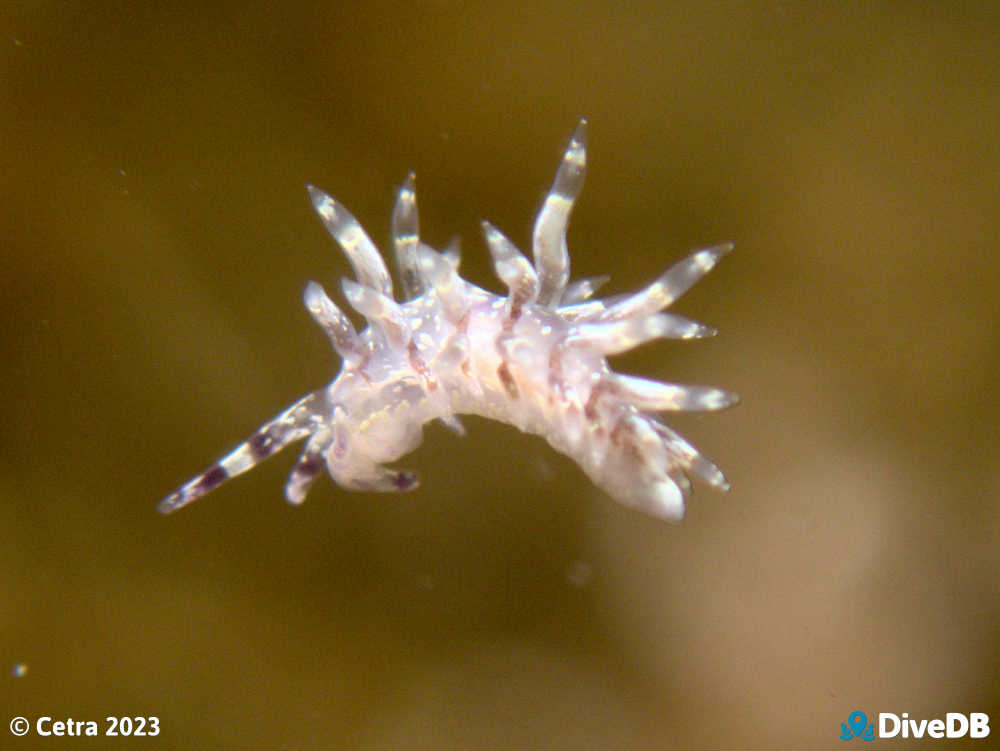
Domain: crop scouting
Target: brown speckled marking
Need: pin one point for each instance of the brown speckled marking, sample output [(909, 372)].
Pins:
[(555, 370), (507, 379), (420, 367), (590, 408), (517, 302)]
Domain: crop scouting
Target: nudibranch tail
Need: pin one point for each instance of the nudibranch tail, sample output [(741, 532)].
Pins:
[(534, 358)]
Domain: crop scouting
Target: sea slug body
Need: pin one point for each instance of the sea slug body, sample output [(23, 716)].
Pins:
[(534, 358)]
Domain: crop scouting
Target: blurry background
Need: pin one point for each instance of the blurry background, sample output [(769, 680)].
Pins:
[(156, 239)]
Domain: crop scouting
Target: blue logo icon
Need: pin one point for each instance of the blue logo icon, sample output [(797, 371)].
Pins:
[(859, 727)]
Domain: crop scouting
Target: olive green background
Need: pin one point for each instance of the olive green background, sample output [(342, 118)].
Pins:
[(156, 239)]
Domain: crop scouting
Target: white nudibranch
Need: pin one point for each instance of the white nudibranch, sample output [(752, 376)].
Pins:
[(534, 359)]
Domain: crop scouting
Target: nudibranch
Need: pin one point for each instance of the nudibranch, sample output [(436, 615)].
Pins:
[(535, 358)]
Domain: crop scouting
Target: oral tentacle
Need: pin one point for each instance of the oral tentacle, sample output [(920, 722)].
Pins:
[(308, 467), (295, 423)]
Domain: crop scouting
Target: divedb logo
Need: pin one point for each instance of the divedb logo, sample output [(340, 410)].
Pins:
[(954, 725)]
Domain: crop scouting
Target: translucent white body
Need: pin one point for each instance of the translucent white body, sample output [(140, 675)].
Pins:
[(534, 359)]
